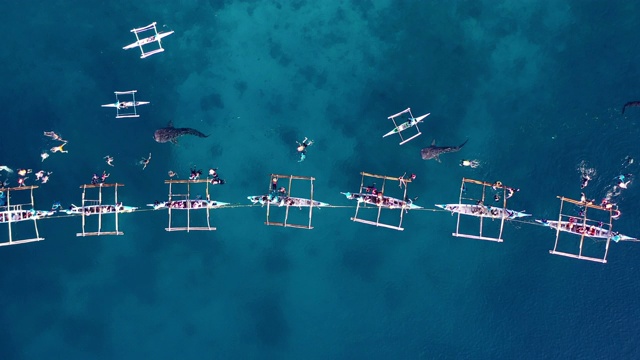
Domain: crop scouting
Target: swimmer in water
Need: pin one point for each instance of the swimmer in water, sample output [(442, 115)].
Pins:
[(145, 161), (6, 168), (302, 148), (470, 163), (54, 136), (44, 155), (59, 148), (109, 160), (172, 174), (584, 181), (622, 184)]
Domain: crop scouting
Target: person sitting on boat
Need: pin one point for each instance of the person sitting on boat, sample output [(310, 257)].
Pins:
[(470, 163), (371, 189), (497, 185), (403, 181), (584, 181), (121, 104)]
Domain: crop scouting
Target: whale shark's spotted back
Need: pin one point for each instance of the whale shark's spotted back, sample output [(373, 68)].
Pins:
[(170, 134)]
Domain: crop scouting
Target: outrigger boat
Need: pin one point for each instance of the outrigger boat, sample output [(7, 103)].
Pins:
[(382, 201), (578, 228), (413, 121), (126, 109), (369, 195), (483, 211), (476, 198), (98, 209), (285, 201), (22, 215), (188, 204), (148, 40)]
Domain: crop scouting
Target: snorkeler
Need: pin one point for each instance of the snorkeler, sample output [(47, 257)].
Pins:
[(470, 163), (145, 161), (44, 155), (109, 160), (54, 136), (584, 181), (59, 148), (302, 148), (621, 181)]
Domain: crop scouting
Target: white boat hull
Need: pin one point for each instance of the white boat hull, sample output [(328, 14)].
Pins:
[(285, 201), (591, 231), (385, 201), (482, 211)]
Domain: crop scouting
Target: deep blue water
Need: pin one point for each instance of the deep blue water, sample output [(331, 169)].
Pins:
[(536, 87)]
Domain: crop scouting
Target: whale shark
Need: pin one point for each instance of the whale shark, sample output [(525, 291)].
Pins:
[(433, 151), (170, 133)]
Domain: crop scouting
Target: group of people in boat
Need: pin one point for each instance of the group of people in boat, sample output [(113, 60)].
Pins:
[(6, 216), (96, 209), (575, 227), (184, 204)]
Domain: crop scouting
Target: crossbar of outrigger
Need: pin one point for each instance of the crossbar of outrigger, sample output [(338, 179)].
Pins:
[(98, 204), (285, 222), (188, 203), (480, 235), (377, 223), (585, 205), (9, 208)]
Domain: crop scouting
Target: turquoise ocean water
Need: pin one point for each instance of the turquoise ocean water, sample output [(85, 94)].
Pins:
[(536, 86)]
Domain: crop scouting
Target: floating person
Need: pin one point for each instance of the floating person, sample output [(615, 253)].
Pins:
[(59, 148), (109, 160), (56, 206), (302, 148), (172, 174), (621, 181), (433, 151), (403, 181), (630, 104), (145, 161), (584, 181), (44, 155), (45, 178), (470, 163), (195, 174), (171, 134), (54, 136), (23, 172), (628, 160)]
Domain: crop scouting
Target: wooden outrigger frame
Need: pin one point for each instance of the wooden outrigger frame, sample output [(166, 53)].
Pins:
[(125, 112), (407, 110), (286, 222), (19, 207), (584, 223), (381, 191), (484, 184), (187, 196), (98, 202)]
